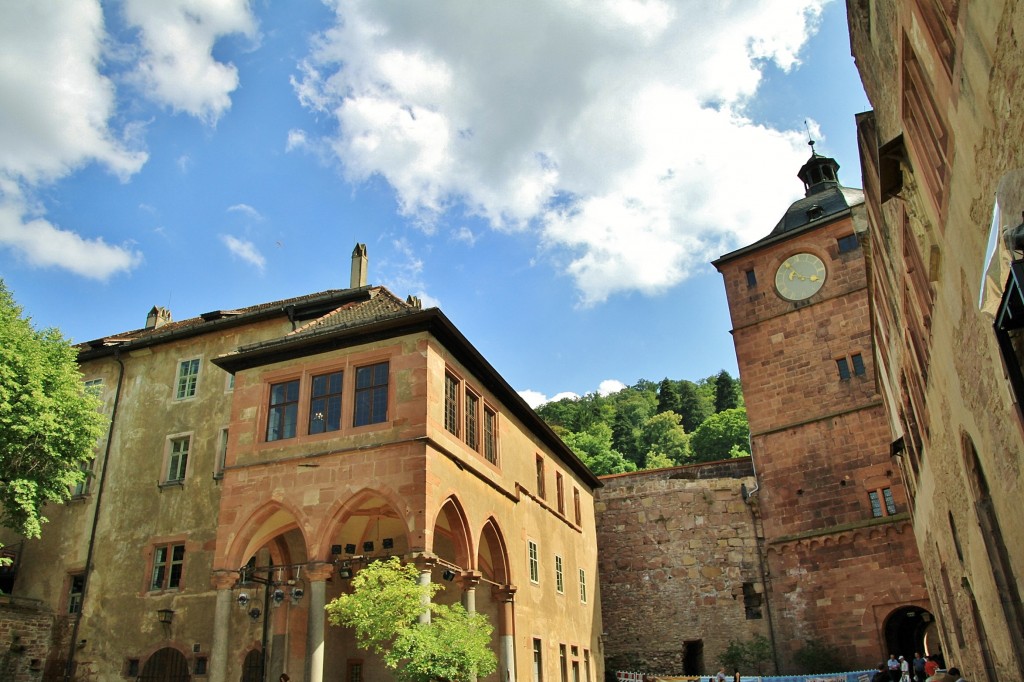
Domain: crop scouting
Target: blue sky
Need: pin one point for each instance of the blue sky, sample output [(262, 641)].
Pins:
[(556, 176)]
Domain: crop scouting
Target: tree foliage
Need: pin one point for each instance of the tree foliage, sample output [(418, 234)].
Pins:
[(817, 657), (384, 609), (650, 425), (721, 436), (49, 424), (751, 656)]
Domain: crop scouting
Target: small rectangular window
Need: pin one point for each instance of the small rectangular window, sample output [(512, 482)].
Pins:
[(876, 503), (843, 365), (538, 662), (200, 666), (752, 601), (451, 403), (177, 462), (541, 493), (560, 492), (371, 394), (472, 431), (559, 576), (534, 561), (168, 561), (563, 666), (576, 506), (355, 671), (131, 667), (222, 454), (188, 377), (283, 414), (76, 587), (890, 503), (583, 586), (490, 435), (751, 279), (82, 487), (94, 387), (586, 665), (325, 403), (575, 669), (848, 243), (858, 364)]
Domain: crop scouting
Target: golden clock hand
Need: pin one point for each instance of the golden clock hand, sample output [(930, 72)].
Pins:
[(792, 274)]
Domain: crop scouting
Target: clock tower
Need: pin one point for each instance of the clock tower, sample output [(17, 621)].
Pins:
[(842, 568)]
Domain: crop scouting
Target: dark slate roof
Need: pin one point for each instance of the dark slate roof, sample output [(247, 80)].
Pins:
[(818, 207)]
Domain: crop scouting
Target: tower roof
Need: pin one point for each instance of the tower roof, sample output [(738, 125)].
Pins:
[(824, 196)]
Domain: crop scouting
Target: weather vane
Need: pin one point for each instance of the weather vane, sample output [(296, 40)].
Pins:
[(809, 140)]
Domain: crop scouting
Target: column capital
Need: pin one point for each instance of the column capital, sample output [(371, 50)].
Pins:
[(504, 593), (223, 578), (319, 570), (469, 579), (425, 561)]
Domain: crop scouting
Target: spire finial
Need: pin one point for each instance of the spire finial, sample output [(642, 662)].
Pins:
[(809, 140)]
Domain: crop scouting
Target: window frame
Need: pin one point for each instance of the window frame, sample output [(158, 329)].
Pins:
[(222, 453), (563, 662), (538, 660), (577, 506), (452, 384), (560, 492), (328, 398), (278, 412), (533, 556), (848, 243), (541, 488), (559, 575), (186, 386), (882, 502), (74, 602), (169, 579), (176, 461), (471, 418), (490, 434), (367, 411), (583, 586)]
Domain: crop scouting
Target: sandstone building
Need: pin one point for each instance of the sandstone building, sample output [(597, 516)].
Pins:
[(942, 155), (257, 458), (842, 566)]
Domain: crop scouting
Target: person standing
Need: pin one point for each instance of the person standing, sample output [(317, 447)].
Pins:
[(894, 668), (720, 677), (919, 667), (904, 670)]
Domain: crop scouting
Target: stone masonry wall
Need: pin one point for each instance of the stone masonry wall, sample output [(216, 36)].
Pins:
[(25, 641), (677, 546)]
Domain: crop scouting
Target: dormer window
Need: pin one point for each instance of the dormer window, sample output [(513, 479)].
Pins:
[(815, 212)]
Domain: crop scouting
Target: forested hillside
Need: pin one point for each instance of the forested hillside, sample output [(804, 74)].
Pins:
[(653, 425)]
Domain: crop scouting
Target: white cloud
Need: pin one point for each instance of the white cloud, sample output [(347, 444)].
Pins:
[(464, 234), (244, 249), (614, 128), (176, 66), (42, 244), (296, 140), (55, 105), (609, 386), (533, 398), (246, 210)]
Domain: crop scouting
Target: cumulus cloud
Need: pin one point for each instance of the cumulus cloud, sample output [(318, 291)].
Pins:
[(609, 386), (176, 66), (57, 105), (55, 118), (244, 249), (535, 398), (616, 129), (42, 244)]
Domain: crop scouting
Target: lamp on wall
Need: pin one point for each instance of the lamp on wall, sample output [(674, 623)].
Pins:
[(350, 548), (368, 546), (388, 543), (345, 572), (448, 575), (165, 616)]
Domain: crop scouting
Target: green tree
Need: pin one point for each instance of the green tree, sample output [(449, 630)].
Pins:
[(694, 405), (49, 424), (751, 656), (726, 392), (662, 435), (632, 409), (721, 436), (594, 447), (384, 609), (668, 396)]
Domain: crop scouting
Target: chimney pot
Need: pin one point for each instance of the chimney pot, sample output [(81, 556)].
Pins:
[(157, 317), (358, 267)]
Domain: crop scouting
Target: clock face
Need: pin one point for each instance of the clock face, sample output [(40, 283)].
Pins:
[(800, 276)]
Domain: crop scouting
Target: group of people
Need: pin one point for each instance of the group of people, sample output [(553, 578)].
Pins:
[(920, 669)]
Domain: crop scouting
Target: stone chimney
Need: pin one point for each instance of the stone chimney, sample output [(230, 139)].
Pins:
[(157, 317), (358, 267)]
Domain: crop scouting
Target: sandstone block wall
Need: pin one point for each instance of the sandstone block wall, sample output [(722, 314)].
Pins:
[(677, 546), (26, 634)]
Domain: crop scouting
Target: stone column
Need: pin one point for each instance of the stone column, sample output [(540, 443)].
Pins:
[(222, 581), (468, 581), (317, 574), (506, 632)]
